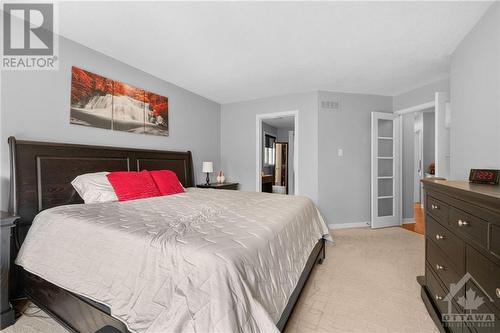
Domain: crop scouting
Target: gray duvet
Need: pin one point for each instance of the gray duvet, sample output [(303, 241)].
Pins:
[(200, 261)]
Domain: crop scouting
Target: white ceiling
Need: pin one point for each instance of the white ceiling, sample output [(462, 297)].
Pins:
[(281, 122), (233, 51)]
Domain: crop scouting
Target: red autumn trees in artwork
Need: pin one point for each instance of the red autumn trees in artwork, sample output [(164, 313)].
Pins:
[(101, 102), (156, 112), (85, 84)]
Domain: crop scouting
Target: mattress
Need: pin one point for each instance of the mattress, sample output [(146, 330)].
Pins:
[(200, 261)]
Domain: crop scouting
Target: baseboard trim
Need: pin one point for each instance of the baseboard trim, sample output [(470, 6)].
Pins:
[(410, 220), (349, 225)]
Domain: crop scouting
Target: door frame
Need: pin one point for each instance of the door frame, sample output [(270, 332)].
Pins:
[(439, 105), (418, 156), (258, 148)]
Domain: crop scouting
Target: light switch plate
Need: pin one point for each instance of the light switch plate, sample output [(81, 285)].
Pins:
[(340, 152)]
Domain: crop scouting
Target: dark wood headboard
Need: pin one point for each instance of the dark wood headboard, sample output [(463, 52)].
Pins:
[(41, 172)]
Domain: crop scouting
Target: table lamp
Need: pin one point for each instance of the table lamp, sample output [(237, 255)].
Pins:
[(208, 167)]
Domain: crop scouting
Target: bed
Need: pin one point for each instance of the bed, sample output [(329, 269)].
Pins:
[(203, 260)]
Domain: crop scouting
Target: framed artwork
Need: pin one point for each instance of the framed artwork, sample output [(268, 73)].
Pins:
[(100, 102)]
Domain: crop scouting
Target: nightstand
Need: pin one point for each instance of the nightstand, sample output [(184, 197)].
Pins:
[(6, 312), (220, 186)]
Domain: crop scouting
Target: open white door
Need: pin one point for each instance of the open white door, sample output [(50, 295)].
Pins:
[(442, 135), (385, 157)]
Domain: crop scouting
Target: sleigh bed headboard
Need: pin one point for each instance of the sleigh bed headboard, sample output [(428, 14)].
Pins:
[(41, 172)]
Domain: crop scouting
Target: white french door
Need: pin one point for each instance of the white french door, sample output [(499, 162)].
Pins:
[(385, 162)]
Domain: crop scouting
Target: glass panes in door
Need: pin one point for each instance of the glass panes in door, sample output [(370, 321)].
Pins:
[(385, 157), (385, 207)]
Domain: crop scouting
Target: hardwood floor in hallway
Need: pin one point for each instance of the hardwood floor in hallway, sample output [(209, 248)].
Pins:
[(418, 226)]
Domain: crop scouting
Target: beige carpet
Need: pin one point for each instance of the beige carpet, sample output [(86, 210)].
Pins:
[(35, 320), (367, 284)]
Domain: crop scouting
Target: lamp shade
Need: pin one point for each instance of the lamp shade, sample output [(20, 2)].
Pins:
[(208, 167)]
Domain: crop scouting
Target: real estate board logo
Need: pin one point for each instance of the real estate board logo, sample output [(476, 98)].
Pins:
[(30, 40), (471, 303)]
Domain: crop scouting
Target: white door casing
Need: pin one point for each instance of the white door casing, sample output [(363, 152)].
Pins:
[(259, 118), (442, 137)]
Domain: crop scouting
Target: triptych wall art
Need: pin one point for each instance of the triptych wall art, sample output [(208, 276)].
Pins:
[(104, 103)]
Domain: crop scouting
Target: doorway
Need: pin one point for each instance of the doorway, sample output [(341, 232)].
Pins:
[(419, 134), (277, 153), (398, 208)]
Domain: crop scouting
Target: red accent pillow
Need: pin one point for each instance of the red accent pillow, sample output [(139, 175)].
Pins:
[(166, 181), (130, 185)]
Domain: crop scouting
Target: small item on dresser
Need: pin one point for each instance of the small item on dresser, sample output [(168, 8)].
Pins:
[(432, 168), (208, 167), (484, 176), (220, 177)]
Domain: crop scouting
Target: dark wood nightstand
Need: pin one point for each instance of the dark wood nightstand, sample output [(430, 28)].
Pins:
[(7, 316), (220, 186)]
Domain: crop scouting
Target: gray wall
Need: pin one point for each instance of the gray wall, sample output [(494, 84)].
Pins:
[(36, 106), (238, 130), (283, 134), (420, 95), (345, 182), (475, 101), (343, 194)]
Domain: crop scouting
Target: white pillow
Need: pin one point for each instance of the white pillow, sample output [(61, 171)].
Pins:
[(94, 187)]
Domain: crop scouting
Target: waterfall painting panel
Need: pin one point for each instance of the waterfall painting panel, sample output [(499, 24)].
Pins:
[(128, 108), (91, 99), (104, 103), (156, 121)]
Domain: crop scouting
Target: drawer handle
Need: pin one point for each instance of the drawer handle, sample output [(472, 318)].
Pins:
[(439, 267), (439, 237), (462, 223), (438, 298), (498, 292), (434, 206)]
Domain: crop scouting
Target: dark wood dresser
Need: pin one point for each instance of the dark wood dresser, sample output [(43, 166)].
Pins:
[(461, 286)]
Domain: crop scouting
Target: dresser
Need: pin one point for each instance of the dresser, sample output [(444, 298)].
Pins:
[(461, 286)]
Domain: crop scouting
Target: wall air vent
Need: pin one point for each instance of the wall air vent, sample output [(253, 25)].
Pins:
[(330, 105)]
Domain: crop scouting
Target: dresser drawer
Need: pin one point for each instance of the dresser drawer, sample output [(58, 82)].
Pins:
[(469, 226), (436, 291), (452, 246), (438, 209), (441, 265), (485, 272)]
